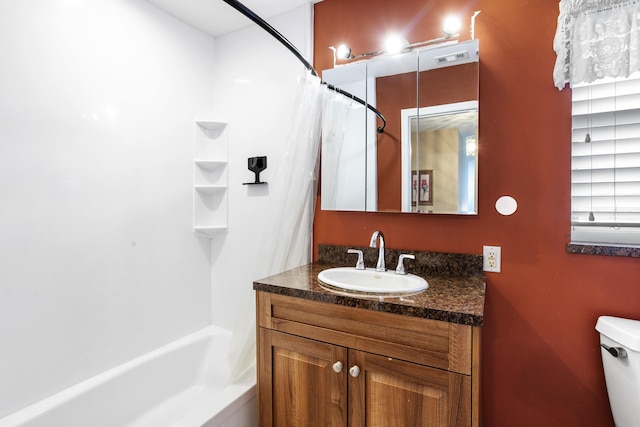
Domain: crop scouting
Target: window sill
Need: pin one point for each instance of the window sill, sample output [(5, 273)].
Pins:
[(626, 251)]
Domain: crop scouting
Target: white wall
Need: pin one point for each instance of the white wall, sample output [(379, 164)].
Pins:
[(254, 90), (98, 262)]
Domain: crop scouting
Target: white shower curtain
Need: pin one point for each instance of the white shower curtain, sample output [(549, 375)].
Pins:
[(335, 114), (288, 223)]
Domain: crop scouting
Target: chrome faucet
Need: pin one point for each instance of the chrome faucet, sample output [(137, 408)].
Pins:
[(378, 236)]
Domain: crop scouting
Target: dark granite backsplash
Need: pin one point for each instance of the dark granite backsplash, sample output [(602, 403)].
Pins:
[(425, 264)]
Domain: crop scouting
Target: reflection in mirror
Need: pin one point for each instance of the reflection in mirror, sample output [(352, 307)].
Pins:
[(440, 141), (426, 159)]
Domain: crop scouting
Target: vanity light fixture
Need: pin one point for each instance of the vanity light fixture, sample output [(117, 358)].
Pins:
[(394, 44), (451, 26), (343, 52)]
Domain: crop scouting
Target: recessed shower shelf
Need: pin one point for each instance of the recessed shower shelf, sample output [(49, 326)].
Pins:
[(209, 231), (210, 189), (210, 164), (210, 178), (211, 124)]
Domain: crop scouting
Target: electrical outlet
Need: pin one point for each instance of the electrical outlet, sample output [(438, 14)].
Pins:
[(491, 258)]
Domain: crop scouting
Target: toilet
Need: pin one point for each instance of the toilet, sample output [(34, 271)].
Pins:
[(620, 350)]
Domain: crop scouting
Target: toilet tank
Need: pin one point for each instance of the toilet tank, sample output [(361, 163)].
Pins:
[(622, 373)]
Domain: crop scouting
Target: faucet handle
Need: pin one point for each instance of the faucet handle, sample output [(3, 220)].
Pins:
[(400, 268), (360, 263)]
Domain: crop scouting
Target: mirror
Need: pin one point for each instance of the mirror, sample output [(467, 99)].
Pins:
[(425, 161)]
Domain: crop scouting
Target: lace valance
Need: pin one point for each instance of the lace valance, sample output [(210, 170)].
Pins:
[(596, 39)]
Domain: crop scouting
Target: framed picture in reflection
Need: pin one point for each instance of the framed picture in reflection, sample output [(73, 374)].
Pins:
[(422, 187)]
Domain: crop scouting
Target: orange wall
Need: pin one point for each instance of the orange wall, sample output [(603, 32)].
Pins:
[(541, 361)]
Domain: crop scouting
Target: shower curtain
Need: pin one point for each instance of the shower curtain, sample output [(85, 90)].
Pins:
[(287, 241), (335, 114)]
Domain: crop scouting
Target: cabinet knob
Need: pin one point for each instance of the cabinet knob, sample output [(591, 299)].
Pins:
[(337, 367), (354, 371)]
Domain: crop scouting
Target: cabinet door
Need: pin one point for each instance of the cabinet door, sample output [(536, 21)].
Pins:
[(298, 385), (390, 392)]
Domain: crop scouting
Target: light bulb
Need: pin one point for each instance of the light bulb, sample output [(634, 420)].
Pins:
[(394, 44), (451, 25), (343, 52)]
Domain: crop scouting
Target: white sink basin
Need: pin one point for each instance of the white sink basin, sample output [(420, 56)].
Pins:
[(372, 281)]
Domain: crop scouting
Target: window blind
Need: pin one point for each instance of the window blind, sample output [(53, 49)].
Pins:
[(605, 162)]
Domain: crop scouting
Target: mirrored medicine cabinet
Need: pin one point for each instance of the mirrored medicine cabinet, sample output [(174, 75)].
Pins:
[(425, 160)]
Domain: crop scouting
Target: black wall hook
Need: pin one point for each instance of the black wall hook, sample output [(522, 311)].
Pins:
[(256, 165)]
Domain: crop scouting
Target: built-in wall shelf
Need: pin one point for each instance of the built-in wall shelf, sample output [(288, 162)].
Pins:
[(210, 164), (209, 232), (210, 189), (211, 124), (210, 178)]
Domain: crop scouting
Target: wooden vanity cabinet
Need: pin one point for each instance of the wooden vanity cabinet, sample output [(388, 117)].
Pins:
[(322, 364)]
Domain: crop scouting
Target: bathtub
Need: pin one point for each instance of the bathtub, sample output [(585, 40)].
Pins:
[(183, 384)]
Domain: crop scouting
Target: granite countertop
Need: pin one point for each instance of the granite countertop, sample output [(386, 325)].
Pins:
[(455, 294)]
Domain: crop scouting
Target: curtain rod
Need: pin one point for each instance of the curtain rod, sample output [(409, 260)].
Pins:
[(268, 28)]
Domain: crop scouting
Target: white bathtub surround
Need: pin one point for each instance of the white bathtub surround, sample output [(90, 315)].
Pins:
[(98, 260), (185, 383)]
